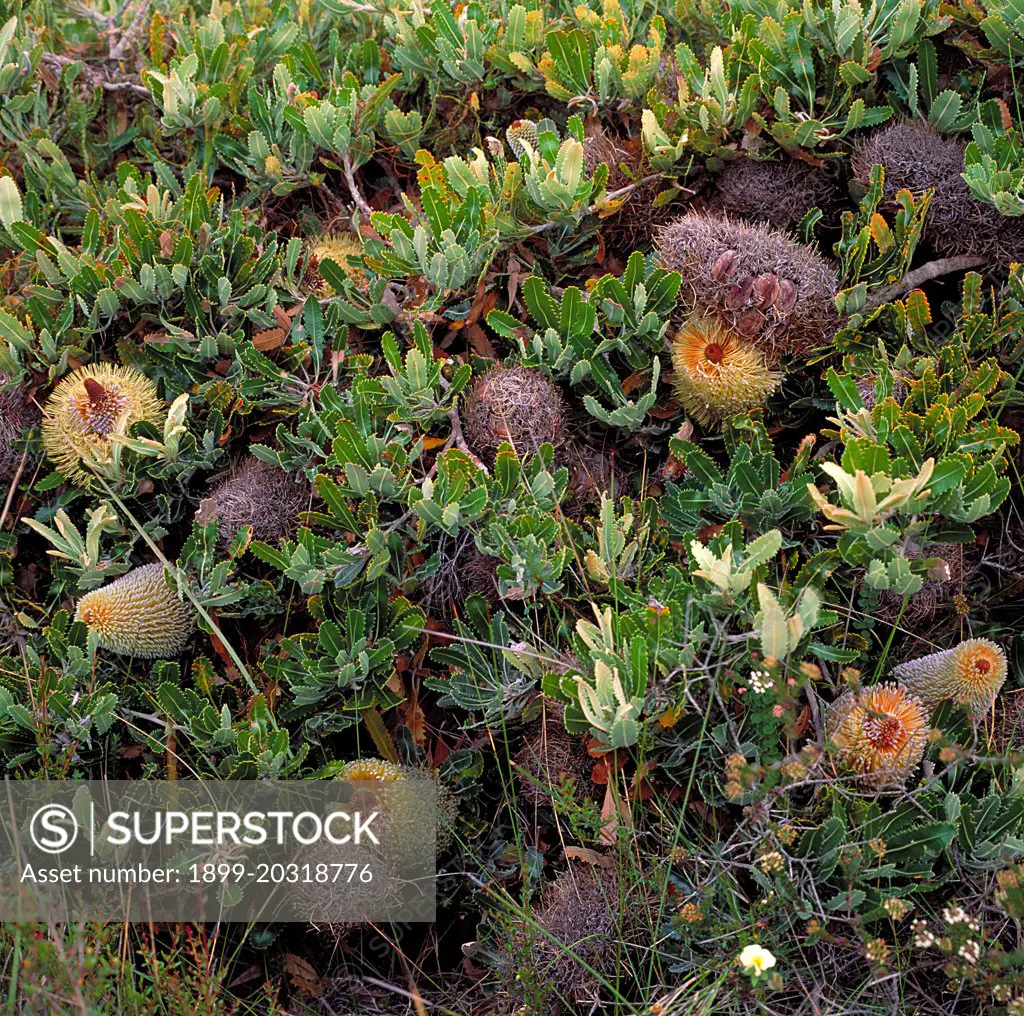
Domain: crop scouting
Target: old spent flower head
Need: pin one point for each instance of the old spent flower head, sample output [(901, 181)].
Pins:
[(777, 294)]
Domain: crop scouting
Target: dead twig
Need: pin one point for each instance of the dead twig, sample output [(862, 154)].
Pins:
[(95, 77), (131, 33), (932, 270), (353, 187), (460, 441)]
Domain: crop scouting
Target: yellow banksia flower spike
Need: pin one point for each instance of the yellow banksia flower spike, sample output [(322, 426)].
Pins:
[(88, 408), (879, 733), (405, 808), (969, 674), (338, 247), (138, 614), (369, 769), (717, 374)]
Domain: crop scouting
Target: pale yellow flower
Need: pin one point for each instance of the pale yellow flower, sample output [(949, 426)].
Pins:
[(755, 959)]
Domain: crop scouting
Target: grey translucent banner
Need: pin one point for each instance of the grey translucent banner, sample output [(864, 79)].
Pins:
[(329, 851)]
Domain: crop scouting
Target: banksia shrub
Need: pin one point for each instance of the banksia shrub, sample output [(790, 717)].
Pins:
[(718, 375), (138, 614), (258, 494), (879, 733), (779, 193), (87, 408), (514, 404), (970, 674), (770, 290), (917, 158), (339, 247)]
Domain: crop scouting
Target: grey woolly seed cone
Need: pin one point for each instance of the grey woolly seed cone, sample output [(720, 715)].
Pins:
[(778, 193), (15, 415), (772, 291), (258, 494), (931, 602), (916, 158), (579, 925), (631, 227), (549, 758), (515, 404)]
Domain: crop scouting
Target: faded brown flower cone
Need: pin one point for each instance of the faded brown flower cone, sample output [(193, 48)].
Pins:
[(936, 595), (631, 226), (15, 415), (580, 924), (591, 477), (549, 758), (257, 494), (771, 291), (917, 158), (779, 193), (516, 404), (866, 390)]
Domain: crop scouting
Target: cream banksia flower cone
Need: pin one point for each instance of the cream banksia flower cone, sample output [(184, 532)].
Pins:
[(969, 674), (338, 247), (879, 733), (89, 407), (370, 769), (717, 374), (405, 805), (138, 614)]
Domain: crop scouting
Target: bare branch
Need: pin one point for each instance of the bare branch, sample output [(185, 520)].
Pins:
[(131, 33), (932, 270), (353, 187), (95, 77), (460, 441)]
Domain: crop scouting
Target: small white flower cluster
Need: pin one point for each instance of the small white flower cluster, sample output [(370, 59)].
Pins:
[(923, 938), (760, 681), (970, 951), (957, 915)]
